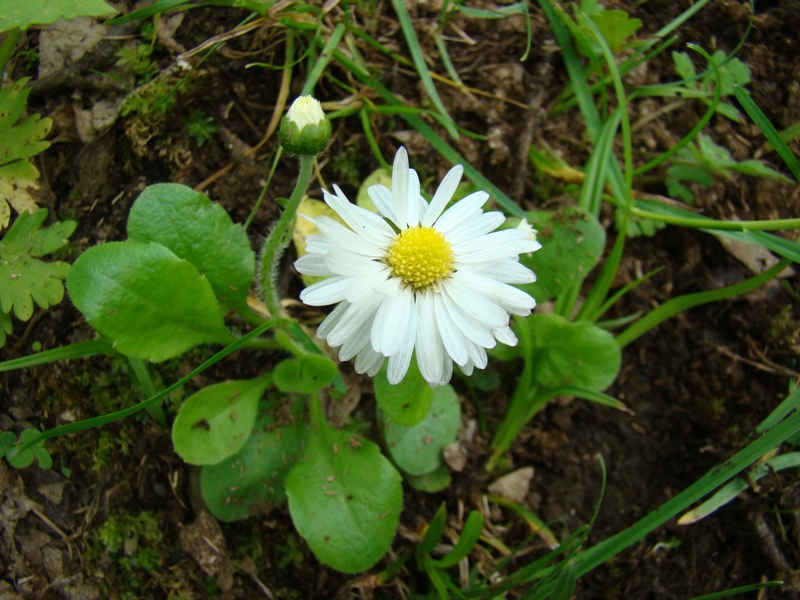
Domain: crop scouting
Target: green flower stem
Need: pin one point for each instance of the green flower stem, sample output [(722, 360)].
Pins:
[(315, 415), (8, 47), (524, 403), (278, 239)]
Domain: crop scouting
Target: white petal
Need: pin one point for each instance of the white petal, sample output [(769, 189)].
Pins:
[(326, 292), (381, 197), (331, 320), (428, 344), (467, 232), (461, 211), (369, 362), (511, 299), (443, 195), (413, 204), (355, 344), (477, 356), (506, 270), (354, 319), (400, 187), (498, 244), (452, 337), (345, 238), (447, 370), (505, 336), (472, 328), (386, 331), (398, 363), (360, 220), (318, 243), (365, 285), (313, 264), (343, 262), (470, 300)]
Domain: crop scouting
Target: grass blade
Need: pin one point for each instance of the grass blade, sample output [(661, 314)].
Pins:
[(681, 303), (422, 68), (79, 350), (774, 138)]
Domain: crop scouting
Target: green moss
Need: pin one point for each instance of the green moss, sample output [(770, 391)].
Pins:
[(125, 550)]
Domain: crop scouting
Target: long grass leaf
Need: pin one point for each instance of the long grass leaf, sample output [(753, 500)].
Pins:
[(715, 478), (422, 68), (752, 232), (433, 138), (132, 410), (772, 135), (79, 350), (676, 305)]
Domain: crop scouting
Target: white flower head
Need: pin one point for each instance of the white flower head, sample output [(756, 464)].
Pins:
[(417, 278)]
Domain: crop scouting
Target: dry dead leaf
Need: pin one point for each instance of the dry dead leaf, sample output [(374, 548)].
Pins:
[(204, 542), (756, 258), (513, 486), (16, 194)]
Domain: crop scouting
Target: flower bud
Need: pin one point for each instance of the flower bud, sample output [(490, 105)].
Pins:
[(305, 129)]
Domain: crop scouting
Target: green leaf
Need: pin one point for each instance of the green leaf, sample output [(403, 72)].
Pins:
[(6, 327), (19, 142), (152, 304), (757, 169), (434, 531), (432, 482), (418, 449), (252, 480), (577, 354), (195, 229), (7, 440), (305, 375), (24, 458), (24, 279), (15, 14), (616, 27), (732, 72), (685, 68), (466, 542), (572, 244), (345, 499), (215, 423), (409, 401)]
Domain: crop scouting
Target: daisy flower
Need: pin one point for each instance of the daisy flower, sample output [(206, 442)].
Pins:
[(416, 278)]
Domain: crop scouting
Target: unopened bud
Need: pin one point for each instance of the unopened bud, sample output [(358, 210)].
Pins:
[(305, 129)]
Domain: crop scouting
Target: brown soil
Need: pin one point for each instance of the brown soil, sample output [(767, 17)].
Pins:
[(698, 384)]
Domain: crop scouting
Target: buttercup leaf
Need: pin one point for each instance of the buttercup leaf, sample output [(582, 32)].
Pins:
[(21, 15), (24, 280)]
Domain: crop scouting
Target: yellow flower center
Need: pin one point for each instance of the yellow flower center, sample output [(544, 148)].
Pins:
[(420, 256)]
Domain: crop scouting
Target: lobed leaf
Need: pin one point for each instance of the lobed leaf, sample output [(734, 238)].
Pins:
[(24, 280), (15, 14)]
